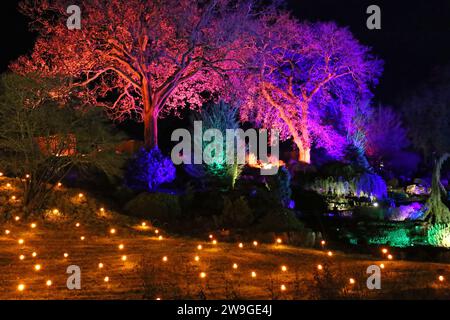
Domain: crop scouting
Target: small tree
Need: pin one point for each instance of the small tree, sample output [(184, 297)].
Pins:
[(221, 116), (40, 142), (437, 211), (385, 134)]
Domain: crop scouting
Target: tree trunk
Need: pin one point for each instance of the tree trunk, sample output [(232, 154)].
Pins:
[(150, 118), (150, 130), (304, 155), (437, 211)]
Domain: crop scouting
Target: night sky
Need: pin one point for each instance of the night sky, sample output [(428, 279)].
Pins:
[(414, 40)]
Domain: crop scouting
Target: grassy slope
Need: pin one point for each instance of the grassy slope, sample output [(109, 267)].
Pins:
[(145, 275), (179, 276)]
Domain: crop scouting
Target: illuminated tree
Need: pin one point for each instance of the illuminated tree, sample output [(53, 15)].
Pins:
[(437, 210), (310, 79), (385, 134), (43, 142), (427, 115), (142, 59)]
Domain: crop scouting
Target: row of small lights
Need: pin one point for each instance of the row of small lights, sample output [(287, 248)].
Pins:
[(202, 275)]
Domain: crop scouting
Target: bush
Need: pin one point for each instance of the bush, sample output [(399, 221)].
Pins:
[(279, 221), (280, 186), (147, 170), (439, 235), (236, 214), (368, 213), (158, 207)]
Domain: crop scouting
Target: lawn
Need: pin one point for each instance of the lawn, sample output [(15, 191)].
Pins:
[(145, 275)]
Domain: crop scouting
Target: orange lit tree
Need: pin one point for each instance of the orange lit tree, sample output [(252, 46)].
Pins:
[(142, 59)]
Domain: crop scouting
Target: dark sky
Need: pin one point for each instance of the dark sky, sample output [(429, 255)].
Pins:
[(414, 40)]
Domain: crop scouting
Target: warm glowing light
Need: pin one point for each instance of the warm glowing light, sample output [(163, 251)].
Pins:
[(253, 274), (77, 224), (8, 185), (1, 174), (235, 266), (165, 259), (48, 283), (390, 257), (27, 176), (160, 237), (283, 268), (66, 255), (255, 243), (102, 209), (21, 257), (37, 267), (21, 241), (55, 211), (112, 231), (121, 246), (214, 242), (124, 258), (441, 278), (382, 266), (283, 287), (13, 198), (82, 238), (241, 245), (199, 247), (330, 254), (7, 232), (197, 258), (59, 184), (384, 250), (106, 279), (100, 265), (351, 280), (17, 218), (21, 287), (158, 298), (156, 231), (34, 254), (211, 236), (202, 275), (319, 267), (322, 242), (279, 241), (143, 224), (33, 225), (80, 195)]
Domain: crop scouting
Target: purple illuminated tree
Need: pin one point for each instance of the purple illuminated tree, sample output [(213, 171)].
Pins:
[(310, 78), (385, 134)]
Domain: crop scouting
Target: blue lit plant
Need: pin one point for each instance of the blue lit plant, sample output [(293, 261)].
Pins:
[(147, 170)]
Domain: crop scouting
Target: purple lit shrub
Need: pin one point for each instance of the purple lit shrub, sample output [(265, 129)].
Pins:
[(413, 211), (371, 184), (149, 169)]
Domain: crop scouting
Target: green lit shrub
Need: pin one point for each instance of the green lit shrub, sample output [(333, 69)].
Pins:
[(439, 235)]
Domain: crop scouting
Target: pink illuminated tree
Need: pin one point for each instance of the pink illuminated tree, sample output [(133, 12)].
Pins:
[(143, 59), (310, 79)]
